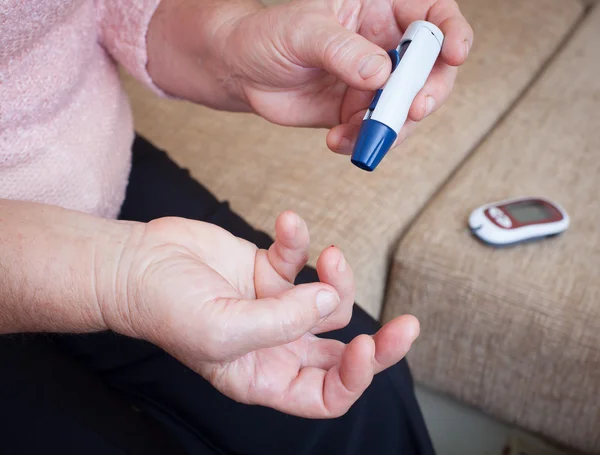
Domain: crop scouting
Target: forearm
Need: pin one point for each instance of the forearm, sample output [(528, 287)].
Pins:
[(186, 41), (49, 268)]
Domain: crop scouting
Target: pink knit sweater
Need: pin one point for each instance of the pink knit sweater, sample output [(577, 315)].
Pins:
[(65, 121)]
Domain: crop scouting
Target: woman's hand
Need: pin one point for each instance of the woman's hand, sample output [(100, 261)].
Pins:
[(217, 303), (232, 313), (303, 63), (317, 62)]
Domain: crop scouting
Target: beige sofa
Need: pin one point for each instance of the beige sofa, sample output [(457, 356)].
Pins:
[(512, 332)]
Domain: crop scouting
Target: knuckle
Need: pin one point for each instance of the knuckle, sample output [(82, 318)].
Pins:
[(218, 343), (293, 324), (165, 224), (339, 49)]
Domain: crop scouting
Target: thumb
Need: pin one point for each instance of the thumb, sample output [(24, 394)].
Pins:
[(273, 321), (349, 56)]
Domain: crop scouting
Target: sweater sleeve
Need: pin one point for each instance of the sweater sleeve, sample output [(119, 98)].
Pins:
[(123, 25)]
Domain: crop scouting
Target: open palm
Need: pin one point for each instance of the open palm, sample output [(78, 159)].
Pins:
[(232, 313)]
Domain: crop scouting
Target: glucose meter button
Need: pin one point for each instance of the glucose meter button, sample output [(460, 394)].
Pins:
[(504, 221), (496, 212)]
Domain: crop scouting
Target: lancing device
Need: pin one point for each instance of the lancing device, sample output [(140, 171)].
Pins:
[(412, 62)]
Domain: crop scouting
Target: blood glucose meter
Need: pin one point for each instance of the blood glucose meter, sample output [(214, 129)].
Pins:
[(517, 220)]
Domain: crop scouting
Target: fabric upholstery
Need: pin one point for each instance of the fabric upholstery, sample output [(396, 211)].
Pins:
[(263, 169), (516, 332)]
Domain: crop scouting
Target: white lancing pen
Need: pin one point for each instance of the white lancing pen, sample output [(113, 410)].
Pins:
[(412, 62)]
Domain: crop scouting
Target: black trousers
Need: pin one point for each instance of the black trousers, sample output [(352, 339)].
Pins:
[(108, 394)]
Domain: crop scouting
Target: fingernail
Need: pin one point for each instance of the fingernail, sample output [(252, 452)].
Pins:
[(467, 48), (297, 225), (371, 66), (327, 301), (341, 267), (345, 145), (414, 332), (429, 105)]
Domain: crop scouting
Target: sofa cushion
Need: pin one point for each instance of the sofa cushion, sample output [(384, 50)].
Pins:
[(516, 332), (263, 169)]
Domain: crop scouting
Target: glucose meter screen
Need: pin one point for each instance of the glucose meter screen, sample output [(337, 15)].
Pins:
[(528, 212)]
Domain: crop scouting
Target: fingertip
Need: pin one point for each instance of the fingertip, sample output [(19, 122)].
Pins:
[(373, 71), (327, 300), (291, 230), (330, 259), (342, 264), (404, 329), (418, 109), (288, 254), (309, 304), (413, 327), (455, 54), (332, 140), (394, 340), (345, 146), (458, 40), (434, 93), (334, 269), (287, 224), (341, 138)]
